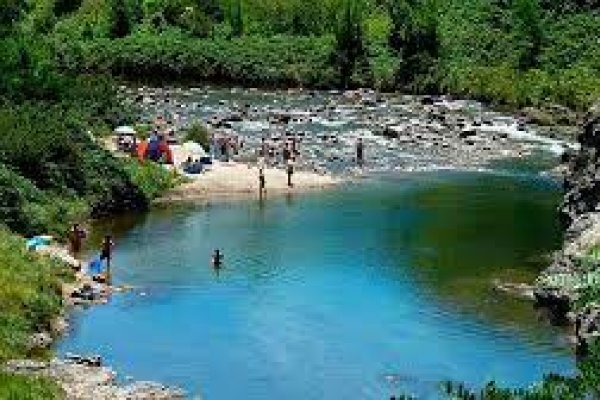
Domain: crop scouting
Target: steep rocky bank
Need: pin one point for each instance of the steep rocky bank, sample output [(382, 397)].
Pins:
[(569, 286)]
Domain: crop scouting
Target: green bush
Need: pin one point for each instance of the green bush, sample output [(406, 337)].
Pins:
[(29, 294), (198, 132), (152, 179)]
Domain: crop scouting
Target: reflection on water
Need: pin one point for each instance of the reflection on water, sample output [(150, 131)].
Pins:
[(361, 292)]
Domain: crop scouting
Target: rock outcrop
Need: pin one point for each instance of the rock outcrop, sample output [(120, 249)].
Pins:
[(83, 378), (559, 286)]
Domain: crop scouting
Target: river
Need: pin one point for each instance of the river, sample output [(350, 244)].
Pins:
[(365, 291), (372, 289)]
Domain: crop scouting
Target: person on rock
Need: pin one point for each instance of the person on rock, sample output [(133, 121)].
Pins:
[(106, 253)]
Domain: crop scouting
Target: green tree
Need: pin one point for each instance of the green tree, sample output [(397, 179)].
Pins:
[(62, 7), (349, 49), (528, 32), (119, 19), (236, 18), (11, 11), (414, 36)]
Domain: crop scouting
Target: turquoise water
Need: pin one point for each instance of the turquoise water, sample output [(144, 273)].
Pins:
[(363, 292)]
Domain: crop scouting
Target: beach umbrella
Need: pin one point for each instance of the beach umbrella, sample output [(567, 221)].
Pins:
[(194, 149), (125, 130)]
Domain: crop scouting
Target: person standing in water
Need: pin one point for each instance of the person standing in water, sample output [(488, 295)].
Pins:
[(106, 254), (360, 152), (217, 259)]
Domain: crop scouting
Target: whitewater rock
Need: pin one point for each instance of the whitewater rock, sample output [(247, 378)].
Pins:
[(465, 133)]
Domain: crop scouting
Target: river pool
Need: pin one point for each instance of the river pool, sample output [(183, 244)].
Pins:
[(373, 289)]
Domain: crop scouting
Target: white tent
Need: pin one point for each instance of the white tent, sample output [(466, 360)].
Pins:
[(194, 149), (124, 130)]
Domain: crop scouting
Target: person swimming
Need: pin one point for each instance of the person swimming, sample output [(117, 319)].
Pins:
[(217, 259)]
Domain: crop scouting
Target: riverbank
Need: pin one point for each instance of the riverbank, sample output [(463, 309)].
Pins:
[(226, 180), (570, 286), (50, 284)]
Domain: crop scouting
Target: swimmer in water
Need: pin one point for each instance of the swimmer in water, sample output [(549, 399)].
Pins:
[(217, 259)]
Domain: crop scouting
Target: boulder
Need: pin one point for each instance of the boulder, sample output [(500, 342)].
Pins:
[(556, 301)]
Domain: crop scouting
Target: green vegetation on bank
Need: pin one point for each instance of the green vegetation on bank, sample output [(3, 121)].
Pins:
[(28, 388), (52, 173), (30, 298)]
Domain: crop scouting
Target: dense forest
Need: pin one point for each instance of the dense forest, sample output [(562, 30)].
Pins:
[(514, 52)]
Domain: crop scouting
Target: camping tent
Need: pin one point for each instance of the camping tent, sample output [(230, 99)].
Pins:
[(155, 150), (194, 149)]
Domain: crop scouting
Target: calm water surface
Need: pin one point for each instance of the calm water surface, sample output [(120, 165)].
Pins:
[(363, 292)]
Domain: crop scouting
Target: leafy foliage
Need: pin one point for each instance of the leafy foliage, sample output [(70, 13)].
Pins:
[(198, 132), (582, 386), (349, 49)]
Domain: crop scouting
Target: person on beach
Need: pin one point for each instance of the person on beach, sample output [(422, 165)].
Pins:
[(76, 236), (213, 145), (224, 155), (261, 181), (217, 259), (286, 153), (263, 148), (290, 171), (360, 152)]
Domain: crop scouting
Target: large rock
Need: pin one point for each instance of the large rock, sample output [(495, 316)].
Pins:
[(582, 182), (554, 300)]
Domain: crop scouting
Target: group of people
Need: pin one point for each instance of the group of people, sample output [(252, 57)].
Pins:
[(288, 154), (100, 274), (223, 147), (76, 237)]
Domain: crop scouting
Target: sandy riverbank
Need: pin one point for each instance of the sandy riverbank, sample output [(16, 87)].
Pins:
[(241, 180)]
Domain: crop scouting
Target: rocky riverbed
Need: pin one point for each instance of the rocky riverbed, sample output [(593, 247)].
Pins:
[(401, 133)]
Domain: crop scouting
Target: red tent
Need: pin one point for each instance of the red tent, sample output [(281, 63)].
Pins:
[(165, 151)]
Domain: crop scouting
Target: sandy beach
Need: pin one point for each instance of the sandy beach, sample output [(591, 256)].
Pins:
[(225, 179)]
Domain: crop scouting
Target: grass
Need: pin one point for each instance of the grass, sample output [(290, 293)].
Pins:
[(15, 387), (29, 299)]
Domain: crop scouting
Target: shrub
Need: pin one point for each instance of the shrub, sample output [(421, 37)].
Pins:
[(198, 133)]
